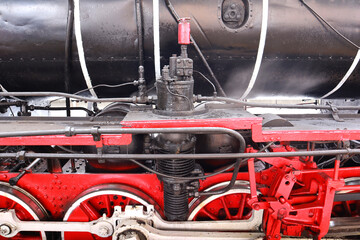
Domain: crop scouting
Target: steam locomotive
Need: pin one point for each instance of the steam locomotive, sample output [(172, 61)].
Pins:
[(168, 146)]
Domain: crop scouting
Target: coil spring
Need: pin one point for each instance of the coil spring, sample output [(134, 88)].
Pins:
[(176, 167)]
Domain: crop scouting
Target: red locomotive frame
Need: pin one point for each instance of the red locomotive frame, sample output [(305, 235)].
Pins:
[(287, 209)]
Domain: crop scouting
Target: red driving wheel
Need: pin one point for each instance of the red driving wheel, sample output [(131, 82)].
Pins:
[(26, 208), (231, 205), (99, 201)]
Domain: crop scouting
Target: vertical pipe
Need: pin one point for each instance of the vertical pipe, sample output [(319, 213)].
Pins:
[(140, 30), (156, 30), (68, 52)]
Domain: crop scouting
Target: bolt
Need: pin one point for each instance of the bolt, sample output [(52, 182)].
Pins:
[(104, 231), (282, 200), (282, 211), (5, 230), (256, 207), (176, 187), (233, 6)]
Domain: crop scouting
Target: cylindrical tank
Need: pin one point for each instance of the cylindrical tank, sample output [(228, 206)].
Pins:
[(302, 57)]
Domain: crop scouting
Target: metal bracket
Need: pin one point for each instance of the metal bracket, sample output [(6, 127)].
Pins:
[(20, 155), (95, 133), (69, 131), (335, 113)]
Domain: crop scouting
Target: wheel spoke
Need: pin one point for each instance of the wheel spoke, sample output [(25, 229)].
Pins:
[(107, 205), (240, 213), (207, 213), (89, 210), (228, 215), (12, 205), (347, 207)]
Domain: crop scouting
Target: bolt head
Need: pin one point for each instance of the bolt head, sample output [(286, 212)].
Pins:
[(104, 231), (5, 230), (256, 207), (282, 211)]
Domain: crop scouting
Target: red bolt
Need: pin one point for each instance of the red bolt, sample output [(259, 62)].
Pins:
[(282, 211), (256, 206), (282, 200), (264, 177)]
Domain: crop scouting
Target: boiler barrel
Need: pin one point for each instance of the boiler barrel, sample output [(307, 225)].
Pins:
[(302, 56)]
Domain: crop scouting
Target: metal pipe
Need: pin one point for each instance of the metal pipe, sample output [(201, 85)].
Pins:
[(182, 156), (140, 30), (229, 186), (71, 131), (67, 95), (68, 52), (262, 105)]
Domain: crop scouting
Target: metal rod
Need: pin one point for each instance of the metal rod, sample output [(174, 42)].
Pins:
[(71, 131), (13, 181), (250, 104), (182, 156), (68, 52), (229, 186), (67, 95), (140, 30)]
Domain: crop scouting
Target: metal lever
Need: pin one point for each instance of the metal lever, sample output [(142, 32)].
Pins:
[(334, 113), (13, 181)]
